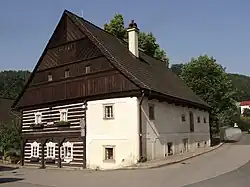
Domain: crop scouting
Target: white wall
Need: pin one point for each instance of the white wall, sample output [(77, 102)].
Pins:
[(121, 132), (168, 127)]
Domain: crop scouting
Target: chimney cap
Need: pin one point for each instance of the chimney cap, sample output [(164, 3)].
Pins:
[(133, 25)]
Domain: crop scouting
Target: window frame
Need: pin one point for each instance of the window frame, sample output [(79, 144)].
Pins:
[(38, 120), (33, 146), (66, 73), (50, 77), (53, 147), (105, 159), (204, 119), (198, 119), (150, 115), (183, 117), (105, 116), (87, 69), (66, 115), (65, 147)]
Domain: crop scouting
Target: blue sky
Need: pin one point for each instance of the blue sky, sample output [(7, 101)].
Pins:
[(184, 29)]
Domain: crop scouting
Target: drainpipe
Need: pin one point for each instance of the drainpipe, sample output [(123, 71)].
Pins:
[(140, 125)]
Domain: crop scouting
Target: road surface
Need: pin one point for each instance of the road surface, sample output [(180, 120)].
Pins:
[(227, 166)]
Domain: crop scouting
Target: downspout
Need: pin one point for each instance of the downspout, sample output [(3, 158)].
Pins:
[(140, 125)]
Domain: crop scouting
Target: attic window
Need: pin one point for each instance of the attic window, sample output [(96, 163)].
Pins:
[(87, 69), (49, 77), (66, 73)]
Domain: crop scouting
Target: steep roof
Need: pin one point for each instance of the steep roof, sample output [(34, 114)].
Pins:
[(145, 71)]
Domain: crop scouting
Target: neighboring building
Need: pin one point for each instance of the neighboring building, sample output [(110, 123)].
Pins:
[(243, 105), (95, 101)]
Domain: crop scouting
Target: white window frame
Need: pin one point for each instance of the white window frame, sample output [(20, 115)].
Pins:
[(38, 117), (62, 112), (34, 145), (65, 148), (105, 159), (53, 147), (105, 116)]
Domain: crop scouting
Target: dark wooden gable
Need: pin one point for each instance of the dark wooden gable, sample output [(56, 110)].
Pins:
[(89, 72)]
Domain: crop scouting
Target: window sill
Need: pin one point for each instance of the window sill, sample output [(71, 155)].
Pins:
[(109, 161), (108, 118)]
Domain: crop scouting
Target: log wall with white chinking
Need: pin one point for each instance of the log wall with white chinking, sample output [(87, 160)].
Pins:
[(51, 115)]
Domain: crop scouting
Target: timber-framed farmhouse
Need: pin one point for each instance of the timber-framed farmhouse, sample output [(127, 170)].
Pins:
[(94, 101)]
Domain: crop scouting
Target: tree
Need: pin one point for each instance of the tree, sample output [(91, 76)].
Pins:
[(177, 68), (246, 112), (147, 41), (210, 81)]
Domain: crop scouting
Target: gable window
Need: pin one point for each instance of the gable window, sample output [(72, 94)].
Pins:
[(66, 73), (151, 111), (183, 117), (109, 153), (49, 77), (198, 119), (87, 69), (67, 152), (38, 118), (108, 111), (64, 115), (35, 150), (51, 150), (205, 120)]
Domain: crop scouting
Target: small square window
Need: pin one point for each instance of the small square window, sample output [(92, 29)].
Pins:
[(87, 69), (66, 73), (49, 77), (109, 153), (63, 115), (38, 118), (108, 112), (205, 120), (151, 111), (183, 117), (198, 119)]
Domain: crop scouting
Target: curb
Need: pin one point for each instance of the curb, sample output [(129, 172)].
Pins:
[(174, 162)]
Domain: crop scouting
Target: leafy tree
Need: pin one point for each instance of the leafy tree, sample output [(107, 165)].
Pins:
[(246, 112), (147, 41), (177, 68), (210, 81)]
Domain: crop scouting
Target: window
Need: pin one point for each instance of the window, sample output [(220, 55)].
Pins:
[(67, 152), (64, 115), (35, 150), (205, 120), (183, 117), (87, 69), (151, 112), (191, 121), (66, 73), (108, 112), (198, 119), (49, 77), (51, 150), (109, 153), (170, 148), (38, 118)]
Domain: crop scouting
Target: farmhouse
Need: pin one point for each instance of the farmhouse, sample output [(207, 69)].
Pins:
[(94, 101)]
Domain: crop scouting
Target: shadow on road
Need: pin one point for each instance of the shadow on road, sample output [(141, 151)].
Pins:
[(7, 180), (6, 168)]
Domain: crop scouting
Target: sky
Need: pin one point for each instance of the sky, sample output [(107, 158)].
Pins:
[(183, 28)]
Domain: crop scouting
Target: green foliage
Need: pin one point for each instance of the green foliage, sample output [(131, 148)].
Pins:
[(210, 81), (12, 82), (177, 68), (246, 112), (147, 41), (242, 85), (10, 135)]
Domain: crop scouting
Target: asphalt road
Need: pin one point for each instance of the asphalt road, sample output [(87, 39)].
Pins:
[(239, 177), (227, 166)]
